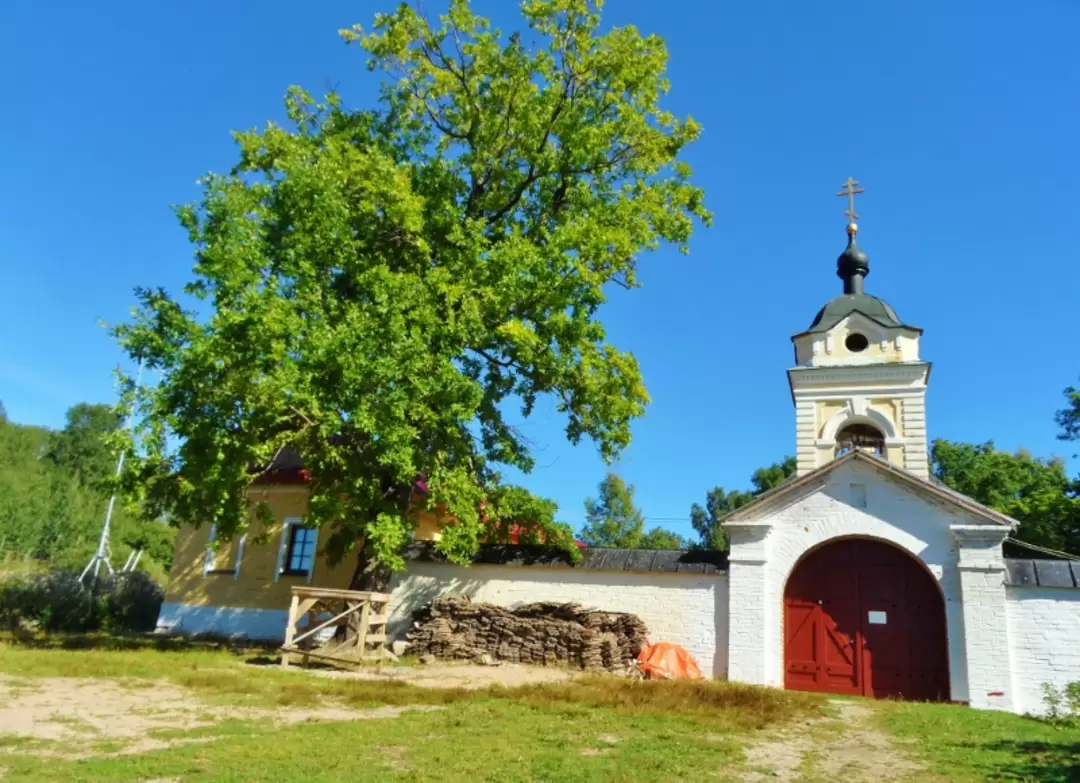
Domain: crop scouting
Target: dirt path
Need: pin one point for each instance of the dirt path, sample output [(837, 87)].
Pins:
[(81, 713), (842, 747), (460, 675)]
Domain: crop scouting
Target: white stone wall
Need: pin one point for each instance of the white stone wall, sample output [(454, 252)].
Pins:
[(824, 512), (1044, 641), (255, 624), (687, 609)]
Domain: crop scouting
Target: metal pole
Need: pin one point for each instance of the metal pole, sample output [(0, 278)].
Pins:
[(102, 553)]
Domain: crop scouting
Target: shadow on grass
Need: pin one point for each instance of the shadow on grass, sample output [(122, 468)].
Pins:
[(133, 643), (1047, 761)]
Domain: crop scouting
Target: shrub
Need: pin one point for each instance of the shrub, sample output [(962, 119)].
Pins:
[(57, 601), (132, 602), (1062, 703)]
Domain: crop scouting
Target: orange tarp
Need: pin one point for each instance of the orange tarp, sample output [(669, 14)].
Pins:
[(667, 661)]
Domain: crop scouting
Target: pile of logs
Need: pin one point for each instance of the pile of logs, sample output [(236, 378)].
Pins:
[(540, 633)]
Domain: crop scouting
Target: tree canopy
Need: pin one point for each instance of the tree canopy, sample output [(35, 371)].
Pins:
[(83, 448), (379, 289), (51, 505), (1036, 492), (1068, 418), (719, 503), (614, 520)]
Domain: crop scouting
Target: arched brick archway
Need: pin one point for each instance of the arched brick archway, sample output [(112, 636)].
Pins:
[(862, 617)]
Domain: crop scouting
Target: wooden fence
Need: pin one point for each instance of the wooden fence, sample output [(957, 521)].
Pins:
[(358, 620)]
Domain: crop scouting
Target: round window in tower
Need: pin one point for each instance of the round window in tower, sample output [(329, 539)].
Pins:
[(856, 342)]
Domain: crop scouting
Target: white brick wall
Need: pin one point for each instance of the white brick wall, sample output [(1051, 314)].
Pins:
[(893, 513), (1044, 641), (686, 609)]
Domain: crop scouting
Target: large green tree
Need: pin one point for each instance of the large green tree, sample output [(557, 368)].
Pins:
[(719, 503), (1036, 492), (612, 519), (382, 287), (84, 447)]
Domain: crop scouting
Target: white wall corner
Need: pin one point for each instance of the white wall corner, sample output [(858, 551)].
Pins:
[(747, 541), (986, 633), (978, 547)]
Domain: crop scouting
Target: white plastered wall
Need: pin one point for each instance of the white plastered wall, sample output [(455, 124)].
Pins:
[(1044, 641), (687, 609)]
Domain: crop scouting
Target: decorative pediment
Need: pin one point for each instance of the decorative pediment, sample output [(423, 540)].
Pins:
[(796, 489)]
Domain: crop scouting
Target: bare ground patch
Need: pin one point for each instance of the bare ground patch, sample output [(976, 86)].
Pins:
[(845, 747), (81, 713), (460, 675)]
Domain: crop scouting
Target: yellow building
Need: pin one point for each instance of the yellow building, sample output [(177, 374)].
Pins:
[(243, 586)]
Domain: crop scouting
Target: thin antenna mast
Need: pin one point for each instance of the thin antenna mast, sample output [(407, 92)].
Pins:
[(101, 556)]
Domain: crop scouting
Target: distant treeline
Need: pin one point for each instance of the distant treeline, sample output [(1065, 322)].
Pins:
[(54, 488)]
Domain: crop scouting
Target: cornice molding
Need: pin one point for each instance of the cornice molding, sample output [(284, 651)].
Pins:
[(910, 372)]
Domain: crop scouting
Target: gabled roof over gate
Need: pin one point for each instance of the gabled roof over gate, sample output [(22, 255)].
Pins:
[(929, 489)]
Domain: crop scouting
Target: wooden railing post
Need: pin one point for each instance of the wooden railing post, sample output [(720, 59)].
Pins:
[(361, 644), (290, 630)]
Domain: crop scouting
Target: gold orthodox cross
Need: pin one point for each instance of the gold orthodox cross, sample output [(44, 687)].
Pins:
[(851, 189)]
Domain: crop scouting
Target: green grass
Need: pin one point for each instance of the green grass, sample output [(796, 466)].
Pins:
[(962, 745), (489, 740), (591, 729), (249, 678)]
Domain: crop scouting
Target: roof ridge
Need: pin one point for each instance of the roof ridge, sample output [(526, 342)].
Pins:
[(959, 499)]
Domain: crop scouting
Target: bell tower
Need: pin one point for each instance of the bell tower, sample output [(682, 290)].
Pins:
[(858, 381)]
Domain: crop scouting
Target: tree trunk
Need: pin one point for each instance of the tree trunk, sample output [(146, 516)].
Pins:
[(370, 575)]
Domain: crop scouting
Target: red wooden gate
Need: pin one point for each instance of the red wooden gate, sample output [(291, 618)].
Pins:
[(864, 618)]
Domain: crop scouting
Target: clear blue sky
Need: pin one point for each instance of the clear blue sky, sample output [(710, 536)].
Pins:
[(959, 118)]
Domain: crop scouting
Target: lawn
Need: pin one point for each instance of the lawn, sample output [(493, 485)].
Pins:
[(126, 710)]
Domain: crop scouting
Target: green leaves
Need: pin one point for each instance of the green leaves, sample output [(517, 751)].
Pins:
[(613, 520), (384, 285), (1035, 491), (54, 488), (718, 503), (1068, 418)]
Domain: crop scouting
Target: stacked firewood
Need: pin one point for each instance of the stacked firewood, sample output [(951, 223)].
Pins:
[(540, 633)]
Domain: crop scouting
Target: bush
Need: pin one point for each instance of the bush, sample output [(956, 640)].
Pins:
[(54, 602), (132, 602), (1062, 704), (57, 601)]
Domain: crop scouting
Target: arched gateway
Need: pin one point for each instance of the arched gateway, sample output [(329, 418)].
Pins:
[(862, 617)]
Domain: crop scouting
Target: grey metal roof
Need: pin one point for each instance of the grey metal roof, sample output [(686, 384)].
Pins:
[(670, 561), (877, 310), (1042, 573)]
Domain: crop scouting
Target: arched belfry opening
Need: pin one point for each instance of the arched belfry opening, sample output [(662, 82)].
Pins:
[(865, 618), (858, 435)]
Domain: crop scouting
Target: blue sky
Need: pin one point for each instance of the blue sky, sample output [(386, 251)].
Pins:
[(959, 118)]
